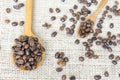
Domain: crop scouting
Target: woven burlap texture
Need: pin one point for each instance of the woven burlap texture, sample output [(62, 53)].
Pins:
[(82, 70)]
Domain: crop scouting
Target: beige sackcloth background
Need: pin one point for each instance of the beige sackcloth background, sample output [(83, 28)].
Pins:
[(82, 70)]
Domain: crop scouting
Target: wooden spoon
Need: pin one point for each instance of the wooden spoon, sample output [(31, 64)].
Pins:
[(28, 28), (93, 17)]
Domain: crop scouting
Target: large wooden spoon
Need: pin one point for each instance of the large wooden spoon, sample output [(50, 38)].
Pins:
[(28, 28), (93, 17)]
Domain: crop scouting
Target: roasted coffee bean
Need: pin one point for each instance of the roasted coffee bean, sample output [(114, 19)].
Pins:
[(106, 74), (99, 25), (108, 33), (109, 16), (20, 61), (90, 40), (77, 41), (111, 56), (85, 43), (113, 37), (38, 59), (57, 10), (8, 10), (114, 62), (95, 56), (47, 25), (66, 59), (71, 19), (59, 69), (21, 23), (116, 3), (71, 10), (107, 7), (98, 43), (15, 0), (88, 4), (54, 34), (97, 77), (72, 77), (7, 21), (81, 59), (62, 27), (21, 5), (72, 27), (63, 0), (62, 19), (14, 23), (20, 52), (82, 18), (51, 10), (111, 25), (117, 58), (74, 14), (64, 77), (53, 18), (17, 7), (75, 7), (57, 55), (61, 54)]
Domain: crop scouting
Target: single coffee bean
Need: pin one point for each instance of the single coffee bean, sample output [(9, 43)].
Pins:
[(17, 7), (53, 18), (111, 25), (8, 10), (77, 41), (61, 54), (106, 74), (109, 16), (114, 62), (51, 10), (117, 58), (57, 10), (63, 0), (62, 27), (21, 5), (95, 56), (81, 59), (113, 37), (108, 33), (64, 77), (111, 56), (71, 19), (15, 0), (14, 23), (59, 69), (20, 61), (98, 43), (21, 23), (75, 7), (57, 55), (62, 19), (72, 77), (54, 34), (66, 59), (97, 77), (7, 21), (71, 10)]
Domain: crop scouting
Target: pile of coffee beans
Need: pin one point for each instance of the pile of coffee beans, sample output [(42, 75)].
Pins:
[(86, 28), (27, 52)]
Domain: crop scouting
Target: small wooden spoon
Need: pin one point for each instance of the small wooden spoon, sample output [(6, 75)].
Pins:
[(93, 17), (28, 28)]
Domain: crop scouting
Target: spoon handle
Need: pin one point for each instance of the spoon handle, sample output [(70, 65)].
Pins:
[(101, 5), (28, 23)]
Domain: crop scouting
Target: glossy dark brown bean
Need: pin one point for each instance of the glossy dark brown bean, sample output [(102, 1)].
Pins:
[(59, 69), (66, 59), (57, 10), (64, 77), (21, 23), (14, 23), (75, 7), (117, 58), (97, 77), (72, 77), (77, 41), (53, 18), (21, 5), (81, 59), (8, 10), (54, 34), (51, 10), (114, 62), (106, 74), (111, 56)]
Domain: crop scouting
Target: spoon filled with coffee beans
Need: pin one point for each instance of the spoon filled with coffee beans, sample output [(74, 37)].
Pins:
[(28, 53), (86, 27)]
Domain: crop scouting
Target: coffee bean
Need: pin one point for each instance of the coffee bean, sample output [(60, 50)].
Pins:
[(119, 74), (62, 27), (107, 7), (15, 0), (20, 61), (71, 10), (81, 59), (113, 37), (108, 33), (114, 62), (78, 15), (62, 19), (72, 27), (97, 77), (88, 4), (57, 10), (63, 0), (21, 5), (98, 43), (90, 41), (72, 77), (21, 23), (17, 7), (54, 34), (111, 56), (20, 53), (59, 69), (95, 56), (75, 7), (117, 58), (85, 43), (7, 21), (106, 74), (109, 16), (14, 23), (116, 3), (64, 77), (53, 18), (77, 41), (111, 25), (57, 55), (38, 59), (8, 10), (71, 19), (51, 10), (66, 59)]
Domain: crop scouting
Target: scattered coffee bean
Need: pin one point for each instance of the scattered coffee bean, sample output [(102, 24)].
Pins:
[(72, 77), (63, 0), (54, 34), (81, 59), (75, 7), (106, 74), (47, 25), (8, 10), (111, 25), (117, 58), (14, 23), (57, 10), (21, 23), (71, 19), (53, 18), (64, 77), (51, 10), (114, 62), (59, 69), (77, 41), (15, 0), (111, 56), (62, 27), (17, 7), (21, 5), (7, 21), (71, 10), (109, 16), (66, 59), (97, 77)]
